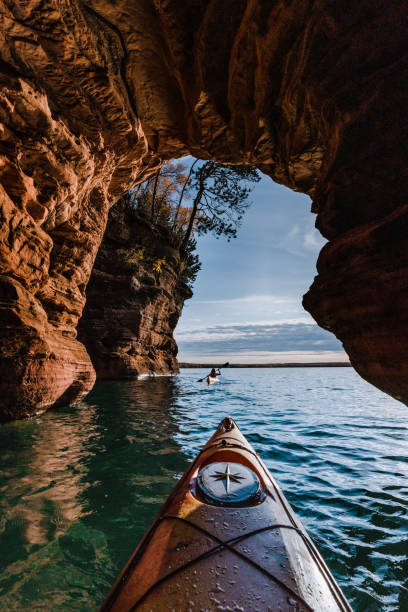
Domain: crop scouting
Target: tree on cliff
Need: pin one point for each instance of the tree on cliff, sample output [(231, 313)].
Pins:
[(206, 197), (220, 199), (219, 196), (160, 196)]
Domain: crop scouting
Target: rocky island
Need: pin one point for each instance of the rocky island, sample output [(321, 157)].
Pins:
[(132, 309)]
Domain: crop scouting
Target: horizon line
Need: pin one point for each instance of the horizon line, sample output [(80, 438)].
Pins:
[(310, 364)]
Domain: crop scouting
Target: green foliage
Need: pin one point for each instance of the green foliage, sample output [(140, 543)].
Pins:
[(192, 264), (135, 255), (224, 199), (132, 256), (219, 196), (158, 199)]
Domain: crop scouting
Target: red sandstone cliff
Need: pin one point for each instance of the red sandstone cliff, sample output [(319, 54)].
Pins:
[(134, 299), (95, 95)]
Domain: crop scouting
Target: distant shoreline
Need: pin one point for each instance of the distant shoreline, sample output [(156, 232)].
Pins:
[(334, 364)]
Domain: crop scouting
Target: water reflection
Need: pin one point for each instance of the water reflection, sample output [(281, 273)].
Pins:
[(77, 490), (41, 477), (135, 429)]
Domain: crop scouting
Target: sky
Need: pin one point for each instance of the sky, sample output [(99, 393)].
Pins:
[(247, 303)]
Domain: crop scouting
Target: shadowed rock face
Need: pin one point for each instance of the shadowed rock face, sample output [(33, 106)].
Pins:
[(95, 95), (133, 304)]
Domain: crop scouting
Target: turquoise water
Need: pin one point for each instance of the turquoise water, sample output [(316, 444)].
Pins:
[(78, 487)]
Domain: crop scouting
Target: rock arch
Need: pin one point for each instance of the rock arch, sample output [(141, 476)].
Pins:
[(94, 95)]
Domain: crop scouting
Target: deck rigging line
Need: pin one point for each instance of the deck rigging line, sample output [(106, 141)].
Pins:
[(229, 546)]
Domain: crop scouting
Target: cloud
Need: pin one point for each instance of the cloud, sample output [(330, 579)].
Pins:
[(254, 308), (313, 240), (263, 300), (302, 239), (255, 357), (244, 337)]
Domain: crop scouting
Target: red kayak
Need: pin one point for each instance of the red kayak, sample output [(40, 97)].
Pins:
[(226, 539)]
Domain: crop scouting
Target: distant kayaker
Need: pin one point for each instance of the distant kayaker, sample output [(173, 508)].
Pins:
[(212, 377)]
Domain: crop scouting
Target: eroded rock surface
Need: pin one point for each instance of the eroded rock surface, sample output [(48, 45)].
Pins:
[(134, 299), (94, 95)]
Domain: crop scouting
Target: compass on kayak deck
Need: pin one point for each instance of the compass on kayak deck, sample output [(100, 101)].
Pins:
[(228, 484)]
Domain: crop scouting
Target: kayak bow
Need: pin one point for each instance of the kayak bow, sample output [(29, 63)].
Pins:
[(226, 539)]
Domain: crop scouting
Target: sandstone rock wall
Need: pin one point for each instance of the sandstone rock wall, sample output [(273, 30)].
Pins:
[(94, 95), (67, 127), (132, 307)]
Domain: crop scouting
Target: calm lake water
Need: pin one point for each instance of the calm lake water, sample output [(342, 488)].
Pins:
[(79, 487)]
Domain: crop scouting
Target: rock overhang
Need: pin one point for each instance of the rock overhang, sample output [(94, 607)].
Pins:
[(96, 95)]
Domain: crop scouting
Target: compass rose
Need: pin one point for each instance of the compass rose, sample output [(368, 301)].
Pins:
[(228, 477), (227, 483)]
